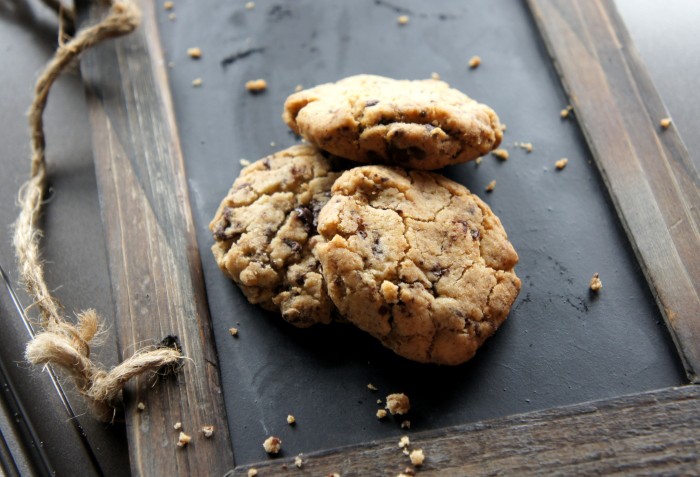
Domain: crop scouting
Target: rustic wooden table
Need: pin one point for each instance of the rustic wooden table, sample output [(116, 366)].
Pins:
[(75, 248)]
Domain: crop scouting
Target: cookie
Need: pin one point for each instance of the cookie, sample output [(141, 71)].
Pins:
[(421, 124), (265, 233), (417, 261)]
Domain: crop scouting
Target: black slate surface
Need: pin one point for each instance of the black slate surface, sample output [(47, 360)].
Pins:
[(560, 345)]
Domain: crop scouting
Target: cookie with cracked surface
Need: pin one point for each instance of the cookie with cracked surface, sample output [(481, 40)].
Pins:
[(265, 233), (421, 124), (417, 261)]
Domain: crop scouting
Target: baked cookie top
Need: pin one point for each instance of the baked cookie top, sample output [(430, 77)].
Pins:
[(422, 124), (417, 261), (265, 233)]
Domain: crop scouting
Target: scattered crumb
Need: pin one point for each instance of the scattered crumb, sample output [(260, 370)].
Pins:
[(474, 62), (417, 457), (168, 5), (595, 284), (298, 461), (183, 439), (409, 471), (478, 160), (435, 76), (525, 145), (372, 387), (252, 472), (379, 401), (404, 442), (272, 445), (291, 419), (256, 86), (564, 113), (491, 186), (501, 154), (381, 414), (234, 331), (665, 123), (406, 425), (208, 431), (398, 403), (244, 162), (298, 88), (197, 82), (195, 52), (250, 5), (177, 426), (140, 406), (561, 163), (172, 17), (503, 127), (273, 143), (405, 451), (403, 19)]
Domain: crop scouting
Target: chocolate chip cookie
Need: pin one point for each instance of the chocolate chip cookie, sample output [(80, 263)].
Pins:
[(421, 124), (417, 261), (266, 238)]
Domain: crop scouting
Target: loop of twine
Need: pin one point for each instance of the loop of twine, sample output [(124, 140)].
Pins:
[(61, 343)]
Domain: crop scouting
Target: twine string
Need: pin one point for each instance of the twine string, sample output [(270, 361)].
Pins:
[(62, 343)]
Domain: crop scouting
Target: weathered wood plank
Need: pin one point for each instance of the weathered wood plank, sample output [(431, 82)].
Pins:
[(154, 262), (654, 433), (651, 179)]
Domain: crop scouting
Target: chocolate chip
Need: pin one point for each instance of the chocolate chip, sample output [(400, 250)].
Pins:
[(383, 310), (306, 217), (475, 234), (293, 244)]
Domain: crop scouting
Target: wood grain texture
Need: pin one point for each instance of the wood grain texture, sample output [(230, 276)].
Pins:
[(654, 433), (154, 262), (651, 179)]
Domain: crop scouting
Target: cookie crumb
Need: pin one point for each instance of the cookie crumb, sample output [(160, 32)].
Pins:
[(474, 62), (478, 160), (256, 86), (526, 145), (250, 5), (177, 426), (564, 113), (409, 471), (491, 186), (234, 331), (298, 88), (501, 154), (406, 424), (141, 406), (244, 162), (561, 163), (404, 442), (417, 457), (298, 461), (405, 451), (208, 431), (197, 82), (172, 17), (252, 472), (273, 143), (381, 413), (398, 403), (379, 401), (503, 127), (403, 19), (291, 419), (435, 76), (595, 283), (272, 445), (372, 387), (183, 439), (665, 123), (194, 52), (168, 5)]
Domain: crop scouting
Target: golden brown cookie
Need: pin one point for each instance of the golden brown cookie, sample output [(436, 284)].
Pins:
[(266, 238), (417, 261), (421, 124)]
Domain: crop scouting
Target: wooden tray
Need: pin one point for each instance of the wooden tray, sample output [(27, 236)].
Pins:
[(152, 236)]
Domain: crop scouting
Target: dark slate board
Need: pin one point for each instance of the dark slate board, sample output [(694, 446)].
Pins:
[(559, 346)]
